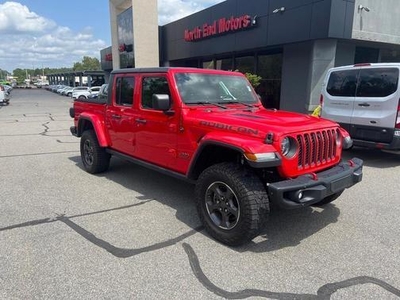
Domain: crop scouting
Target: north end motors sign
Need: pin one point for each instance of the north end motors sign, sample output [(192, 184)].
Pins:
[(219, 27)]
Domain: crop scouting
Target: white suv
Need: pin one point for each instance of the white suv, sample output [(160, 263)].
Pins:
[(84, 92)]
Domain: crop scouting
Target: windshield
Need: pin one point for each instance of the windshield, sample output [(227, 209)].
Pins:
[(214, 88)]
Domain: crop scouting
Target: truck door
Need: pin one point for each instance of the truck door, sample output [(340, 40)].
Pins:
[(339, 95), (120, 115), (156, 131), (376, 102)]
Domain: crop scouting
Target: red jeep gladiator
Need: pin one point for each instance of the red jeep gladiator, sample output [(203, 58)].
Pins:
[(209, 127)]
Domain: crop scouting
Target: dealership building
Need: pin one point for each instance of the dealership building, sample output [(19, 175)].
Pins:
[(289, 43)]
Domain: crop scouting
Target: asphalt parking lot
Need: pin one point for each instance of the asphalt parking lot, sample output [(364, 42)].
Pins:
[(131, 233)]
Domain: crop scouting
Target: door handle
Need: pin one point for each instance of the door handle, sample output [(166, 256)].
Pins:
[(116, 116), (143, 121), (364, 104)]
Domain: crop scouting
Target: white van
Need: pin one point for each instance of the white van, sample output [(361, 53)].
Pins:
[(365, 100)]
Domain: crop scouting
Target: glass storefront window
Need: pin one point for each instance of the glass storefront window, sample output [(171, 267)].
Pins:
[(366, 55), (390, 55), (208, 64), (270, 69), (224, 64), (245, 64), (125, 39)]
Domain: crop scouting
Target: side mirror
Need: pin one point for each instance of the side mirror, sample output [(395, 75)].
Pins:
[(161, 102)]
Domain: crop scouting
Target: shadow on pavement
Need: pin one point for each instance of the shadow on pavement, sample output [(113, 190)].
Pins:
[(179, 195)]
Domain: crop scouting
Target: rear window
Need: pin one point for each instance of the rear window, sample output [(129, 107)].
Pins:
[(375, 82), (380, 82), (342, 83)]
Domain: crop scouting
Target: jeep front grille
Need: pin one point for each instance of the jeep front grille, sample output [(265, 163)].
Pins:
[(316, 148)]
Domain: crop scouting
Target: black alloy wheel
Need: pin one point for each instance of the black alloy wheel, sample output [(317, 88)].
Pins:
[(222, 205), (88, 151), (232, 203), (95, 159)]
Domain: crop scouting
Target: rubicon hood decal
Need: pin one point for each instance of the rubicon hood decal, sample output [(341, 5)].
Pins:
[(233, 128)]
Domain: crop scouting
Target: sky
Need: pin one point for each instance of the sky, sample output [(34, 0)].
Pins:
[(56, 34)]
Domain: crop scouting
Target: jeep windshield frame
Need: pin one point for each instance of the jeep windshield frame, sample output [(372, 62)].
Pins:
[(205, 88)]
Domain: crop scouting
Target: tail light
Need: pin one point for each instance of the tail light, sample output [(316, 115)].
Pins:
[(321, 99), (397, 125)]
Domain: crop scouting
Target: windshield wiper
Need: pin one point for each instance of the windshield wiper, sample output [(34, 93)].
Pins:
[(235, 101), (207, 102)]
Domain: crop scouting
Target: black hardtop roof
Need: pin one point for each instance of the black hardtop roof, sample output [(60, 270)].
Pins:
[(141, 70), (161, 70)]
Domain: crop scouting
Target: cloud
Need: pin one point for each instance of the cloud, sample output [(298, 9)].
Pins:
[(16, 18), (172, 10), (29, 40), (32, 41)]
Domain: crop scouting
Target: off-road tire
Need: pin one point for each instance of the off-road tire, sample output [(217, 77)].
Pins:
[(328, 199), (95, 159), (249, 201)]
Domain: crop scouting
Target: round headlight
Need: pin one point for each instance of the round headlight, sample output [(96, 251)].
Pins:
[(288, 147), (285, 146)]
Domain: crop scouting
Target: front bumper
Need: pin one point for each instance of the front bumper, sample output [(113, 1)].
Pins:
[(309, 189)]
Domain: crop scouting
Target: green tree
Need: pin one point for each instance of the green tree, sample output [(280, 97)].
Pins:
[(254, 79), (87, 63), (3, 74), (20, 74)]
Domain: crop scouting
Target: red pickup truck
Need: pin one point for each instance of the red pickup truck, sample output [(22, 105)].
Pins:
[(209, 127)]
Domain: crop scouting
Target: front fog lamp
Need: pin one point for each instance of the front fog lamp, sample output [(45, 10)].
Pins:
[(288, 147)]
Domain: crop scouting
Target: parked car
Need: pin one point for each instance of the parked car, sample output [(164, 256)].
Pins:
[(77, 90), (364, 99), (67, 91), (8, 88), (85, 93), (4, 95), (56, 87)]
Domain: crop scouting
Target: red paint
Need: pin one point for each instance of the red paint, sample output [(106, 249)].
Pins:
[(172, 140)]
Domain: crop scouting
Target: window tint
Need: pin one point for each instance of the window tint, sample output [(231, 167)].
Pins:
[(380, 82), (215, 88), (124, 91), (342, 83), (151, 86)]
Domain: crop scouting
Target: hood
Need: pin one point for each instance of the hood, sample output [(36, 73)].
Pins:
[(255, 122)]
